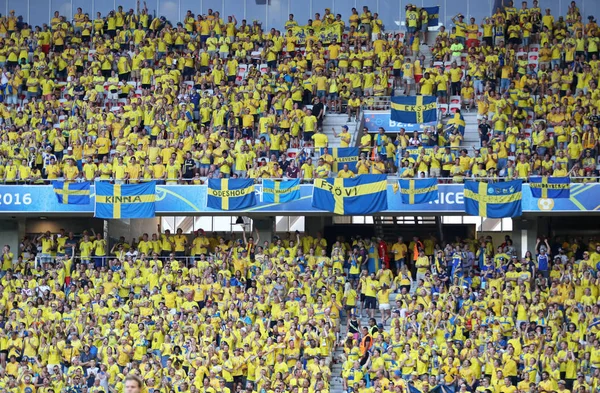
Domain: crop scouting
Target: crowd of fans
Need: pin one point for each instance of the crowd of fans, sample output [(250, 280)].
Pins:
[(534, 83), (128, 97), (220, 312)]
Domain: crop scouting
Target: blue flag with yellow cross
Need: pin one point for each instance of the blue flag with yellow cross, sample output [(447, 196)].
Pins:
[(72, 193), (414, 110), (117, 201), (494, 200), (364, 194), (343, 155), (550, 187), (231, 194), (416, 191), (283, 191)]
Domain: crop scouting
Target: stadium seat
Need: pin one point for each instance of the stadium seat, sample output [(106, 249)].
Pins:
[(534, 48), (533, 56), (455, 100), (264, 68), (454, 107), (443, 108)]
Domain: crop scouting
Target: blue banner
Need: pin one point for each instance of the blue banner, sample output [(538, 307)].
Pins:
[(118, 201), (418, 109), (364, 194), (176, 200), (231, 194), (374, 120), (343, 155), (281, 191), (416, 191), (434, 16), (493, 200), (72, 193), (550, 187)]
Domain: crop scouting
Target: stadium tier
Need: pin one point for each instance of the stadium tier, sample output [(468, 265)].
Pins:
[(443, 177)]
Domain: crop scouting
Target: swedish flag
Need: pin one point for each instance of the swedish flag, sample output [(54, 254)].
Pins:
[(364, 194), (231, 194), (550, 187), (415, 191), (115, 201), (493, 200), (281, 191), (72, 193), (343, 155), (433, 18), (414, 110)]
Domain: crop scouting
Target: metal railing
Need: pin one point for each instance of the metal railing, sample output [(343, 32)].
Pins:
[(104, 261), (391, 178)]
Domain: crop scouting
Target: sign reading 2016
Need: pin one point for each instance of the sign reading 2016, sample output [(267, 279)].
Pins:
[(15, 199)]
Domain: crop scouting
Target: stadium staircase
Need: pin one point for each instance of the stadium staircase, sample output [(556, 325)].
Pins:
[(337, 121), (471, 132), (336, 385)]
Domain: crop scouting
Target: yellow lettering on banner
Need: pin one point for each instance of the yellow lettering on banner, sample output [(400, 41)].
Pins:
[(345, 159), (225, 193), (419, 108), (229, 193), (117, 199), (339, 191), (545, 186), (412, 191)]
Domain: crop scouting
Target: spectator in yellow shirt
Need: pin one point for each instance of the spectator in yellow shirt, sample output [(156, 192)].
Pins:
[(345, 173)]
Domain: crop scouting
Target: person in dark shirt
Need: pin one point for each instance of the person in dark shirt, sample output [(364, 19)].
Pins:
[(484, 131), (292, 171), (188, 167), (318, 111)]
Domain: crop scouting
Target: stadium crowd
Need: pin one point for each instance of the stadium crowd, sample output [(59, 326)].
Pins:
[(135, 98), (213, 312), (128, 97)]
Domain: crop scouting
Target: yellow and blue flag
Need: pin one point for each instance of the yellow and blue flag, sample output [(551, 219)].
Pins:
[(281, 191), (364, 194), (343, 155), (433, 18), (458, 121), (72, 193), (550, 187), (415, 191), (494, 200), (231, 194), (115, 201), (414, 110)]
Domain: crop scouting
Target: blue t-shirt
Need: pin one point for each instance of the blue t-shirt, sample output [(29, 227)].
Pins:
[(542, 261)]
